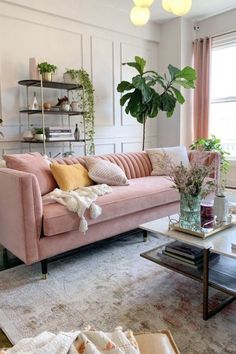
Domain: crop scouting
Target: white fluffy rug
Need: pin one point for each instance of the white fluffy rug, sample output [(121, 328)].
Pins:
[(108, 285)]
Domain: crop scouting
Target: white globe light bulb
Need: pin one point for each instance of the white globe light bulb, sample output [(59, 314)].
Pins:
[(143, 3), (139, 16), (166, 4), (180, 7)]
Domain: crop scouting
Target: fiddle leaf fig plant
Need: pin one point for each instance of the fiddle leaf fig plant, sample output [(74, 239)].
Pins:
[(148, 93)]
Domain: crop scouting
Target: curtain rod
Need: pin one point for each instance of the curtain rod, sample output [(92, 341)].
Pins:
[(223, 34)]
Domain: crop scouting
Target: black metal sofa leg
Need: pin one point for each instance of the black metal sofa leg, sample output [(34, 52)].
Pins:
[(145, 235), (44, 267)]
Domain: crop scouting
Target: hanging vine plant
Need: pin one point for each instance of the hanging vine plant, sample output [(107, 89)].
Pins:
[(87, 97)]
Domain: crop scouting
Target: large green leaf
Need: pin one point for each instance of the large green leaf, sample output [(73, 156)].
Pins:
[(153, 106), (185, 83), (124, 86), (168, 102), (173, 71), (135, 106), (180, 98), (125, 98), (140, 118), (141, 62), (187, 73), (140, 83)]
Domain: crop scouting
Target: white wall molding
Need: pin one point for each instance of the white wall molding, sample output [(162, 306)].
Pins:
[(85, 13), (27, 32)]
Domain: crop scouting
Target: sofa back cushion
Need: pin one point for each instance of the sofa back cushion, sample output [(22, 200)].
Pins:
[(33, 163), (134, 164), (162, 157)]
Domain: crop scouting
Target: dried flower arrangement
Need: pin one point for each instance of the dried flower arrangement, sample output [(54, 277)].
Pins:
[(193, 180)]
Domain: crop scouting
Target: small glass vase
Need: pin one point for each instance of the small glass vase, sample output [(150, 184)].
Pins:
[(190, 212)]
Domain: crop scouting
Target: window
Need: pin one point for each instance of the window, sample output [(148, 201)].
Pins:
[(222, 122)]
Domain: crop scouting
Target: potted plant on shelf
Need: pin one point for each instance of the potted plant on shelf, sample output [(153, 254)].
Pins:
[(86, 96), (142, 98), (39, 134), (46, 70)]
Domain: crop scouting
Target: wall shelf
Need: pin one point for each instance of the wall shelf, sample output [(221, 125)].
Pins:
[(41, 85), (53, 141), (50, 84), (60, 112)]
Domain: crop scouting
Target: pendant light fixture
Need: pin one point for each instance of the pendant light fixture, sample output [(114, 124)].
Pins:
[(139, 16), (143, 3), (180, 7), (140, 13), (166, 4)]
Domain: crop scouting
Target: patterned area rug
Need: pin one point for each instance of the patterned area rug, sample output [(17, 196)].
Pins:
[(109, 284)]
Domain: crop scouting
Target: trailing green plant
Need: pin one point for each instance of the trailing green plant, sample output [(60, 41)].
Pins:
[(143, 100), (45, 67), (214, 144), (87, 96)]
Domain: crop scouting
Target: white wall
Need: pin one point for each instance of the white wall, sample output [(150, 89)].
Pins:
[(217, 24), (175, 48), (53, 31)]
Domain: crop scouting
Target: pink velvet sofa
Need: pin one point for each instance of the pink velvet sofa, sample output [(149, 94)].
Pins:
[(35, 232)]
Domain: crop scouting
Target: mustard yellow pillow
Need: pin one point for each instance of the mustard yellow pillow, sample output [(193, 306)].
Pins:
[(70, 177)]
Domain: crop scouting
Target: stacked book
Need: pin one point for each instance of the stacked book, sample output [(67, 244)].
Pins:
[(58, 133), (185, 254)]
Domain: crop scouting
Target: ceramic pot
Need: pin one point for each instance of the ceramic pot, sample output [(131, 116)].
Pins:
[(65, 106), (68, 79), (47, 76), (39, 137), (75, 106), (221, 208)]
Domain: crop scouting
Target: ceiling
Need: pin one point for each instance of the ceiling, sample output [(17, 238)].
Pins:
[(200, 8)]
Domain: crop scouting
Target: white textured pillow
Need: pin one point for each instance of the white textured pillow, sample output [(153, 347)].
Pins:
[(102, 171), (176, 154)]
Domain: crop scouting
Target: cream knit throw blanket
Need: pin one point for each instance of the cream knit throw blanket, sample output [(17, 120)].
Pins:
[(79, 201), (83, 342)]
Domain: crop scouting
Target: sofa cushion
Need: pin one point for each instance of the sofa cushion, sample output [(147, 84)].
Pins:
[(70, 177), (142, 193), (175, 154), (33, 163), (107, 172), (134, 164)]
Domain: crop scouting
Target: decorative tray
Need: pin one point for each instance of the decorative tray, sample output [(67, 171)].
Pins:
[(203, 232)]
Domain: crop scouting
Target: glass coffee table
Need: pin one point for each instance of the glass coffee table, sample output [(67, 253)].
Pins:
[(218, 273)]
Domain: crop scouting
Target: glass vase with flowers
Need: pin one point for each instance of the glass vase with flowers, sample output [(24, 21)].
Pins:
[(194, 184)]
